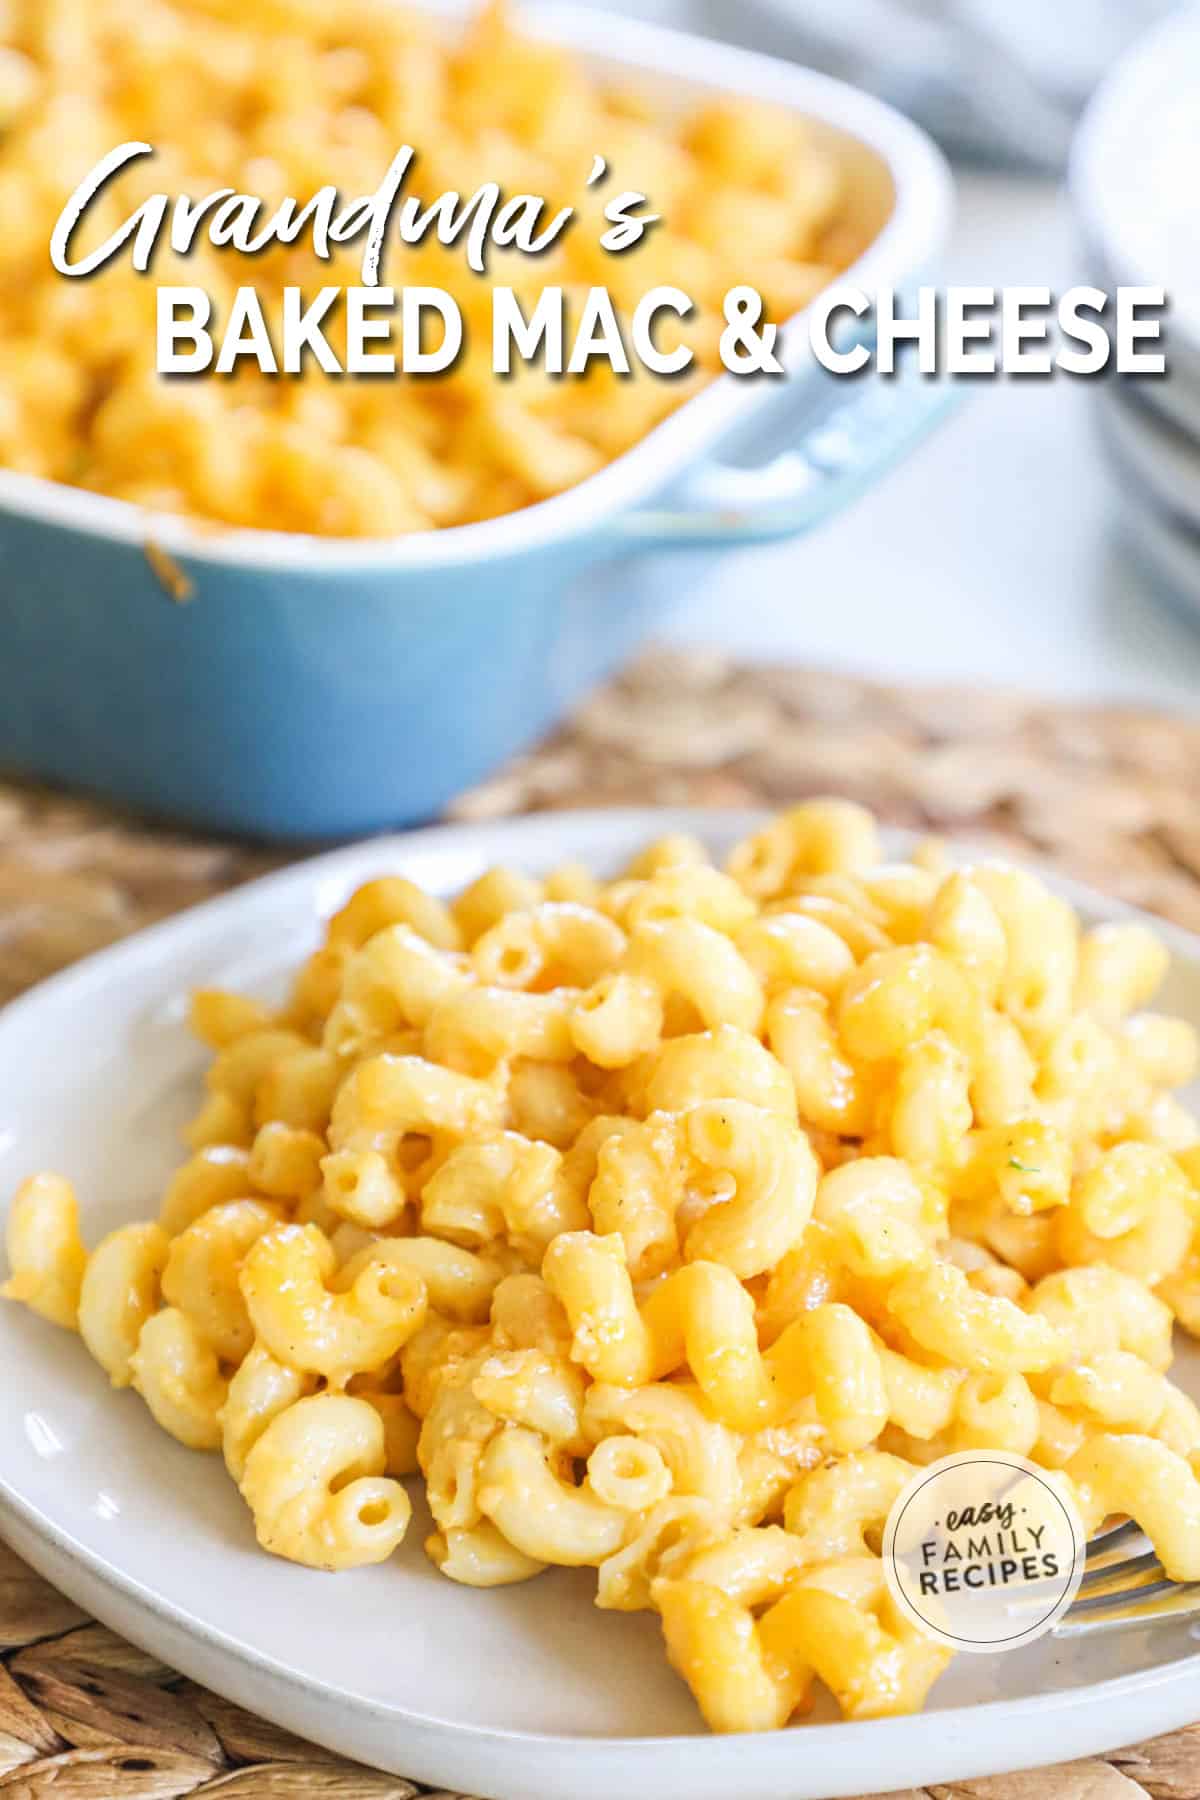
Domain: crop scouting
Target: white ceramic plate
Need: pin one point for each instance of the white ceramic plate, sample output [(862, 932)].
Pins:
[(524, 1693), (1132, 187), (1131, 167), (1149, 451), (1168, 549)]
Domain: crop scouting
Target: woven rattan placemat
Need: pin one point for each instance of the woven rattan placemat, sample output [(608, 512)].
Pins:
[(1111, 795)]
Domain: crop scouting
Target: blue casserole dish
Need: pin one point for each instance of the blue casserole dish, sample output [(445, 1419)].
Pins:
[(313, 688)]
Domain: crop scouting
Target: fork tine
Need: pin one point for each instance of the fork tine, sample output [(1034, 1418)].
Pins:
[(1114, 1538), (1133, 1594), (1145, 1606), (1120, 1589), (1098, 1574)]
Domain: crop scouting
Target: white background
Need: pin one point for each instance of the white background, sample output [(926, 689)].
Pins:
[(993, 552)]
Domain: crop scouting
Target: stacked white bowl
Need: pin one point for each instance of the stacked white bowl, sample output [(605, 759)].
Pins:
[(1134, 169)]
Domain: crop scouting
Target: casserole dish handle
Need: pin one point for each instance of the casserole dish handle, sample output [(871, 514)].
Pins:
[(840, 453)]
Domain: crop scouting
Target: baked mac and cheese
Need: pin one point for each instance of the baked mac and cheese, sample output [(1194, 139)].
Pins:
[(275, 98), (665, 1225)]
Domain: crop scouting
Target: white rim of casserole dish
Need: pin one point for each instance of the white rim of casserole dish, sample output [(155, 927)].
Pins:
[(909, 238)]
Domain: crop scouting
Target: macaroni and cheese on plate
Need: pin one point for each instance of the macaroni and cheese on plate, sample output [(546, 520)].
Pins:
[(664, 1224)]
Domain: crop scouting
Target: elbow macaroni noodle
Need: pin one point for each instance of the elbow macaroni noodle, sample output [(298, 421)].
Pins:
[(667, 1226)]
